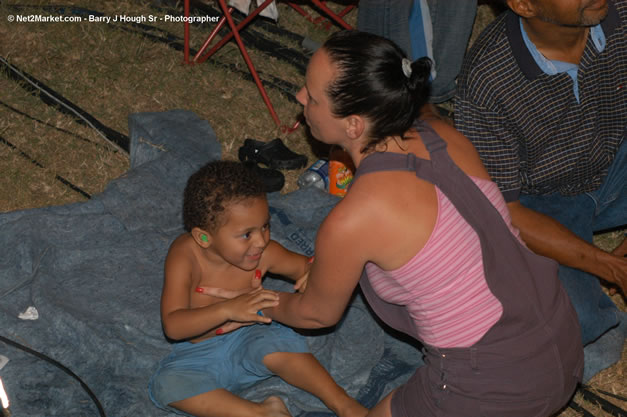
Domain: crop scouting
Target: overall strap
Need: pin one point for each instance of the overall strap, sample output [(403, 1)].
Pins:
[(387, 161)]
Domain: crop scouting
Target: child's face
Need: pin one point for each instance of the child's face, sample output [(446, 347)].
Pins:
[(245, 235)]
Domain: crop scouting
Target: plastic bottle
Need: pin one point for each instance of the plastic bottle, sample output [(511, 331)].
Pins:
[(317, 175)]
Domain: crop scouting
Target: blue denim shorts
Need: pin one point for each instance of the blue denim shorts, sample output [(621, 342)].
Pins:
[(232, 361)]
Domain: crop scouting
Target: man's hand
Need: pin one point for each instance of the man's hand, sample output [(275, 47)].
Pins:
[(621, 250), (617, 268), (547, 237)]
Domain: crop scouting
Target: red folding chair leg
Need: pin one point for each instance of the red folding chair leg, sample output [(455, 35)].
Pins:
[(186, 32), (332, 14), (227, 18), (249, 62), (212, 35), (341, 14), (320, 5), (230, 35)]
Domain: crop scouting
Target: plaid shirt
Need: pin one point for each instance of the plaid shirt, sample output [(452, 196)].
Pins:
[(530, 131)]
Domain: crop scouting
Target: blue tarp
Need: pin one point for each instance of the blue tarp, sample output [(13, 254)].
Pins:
[(94, 272)]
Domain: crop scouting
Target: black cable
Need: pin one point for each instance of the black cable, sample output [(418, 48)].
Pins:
[(602, 402), (578, 408), (60, 366), (54, 99), (610, 394), (33, 161), (21, 113)]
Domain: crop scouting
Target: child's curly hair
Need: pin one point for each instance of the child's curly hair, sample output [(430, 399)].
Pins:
[(210, 189)]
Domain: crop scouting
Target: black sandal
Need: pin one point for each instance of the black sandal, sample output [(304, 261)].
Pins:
[(273, 154), (271, 179)]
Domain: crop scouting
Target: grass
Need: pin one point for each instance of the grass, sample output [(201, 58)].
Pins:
[(111, 70)]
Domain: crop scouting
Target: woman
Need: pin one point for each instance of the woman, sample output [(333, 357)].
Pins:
[(441, 262)]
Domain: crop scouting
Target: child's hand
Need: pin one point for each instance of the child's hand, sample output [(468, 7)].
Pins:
[(246, 302), (246, 307)]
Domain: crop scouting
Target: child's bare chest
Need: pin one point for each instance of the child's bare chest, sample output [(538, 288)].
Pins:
[(233, 279)]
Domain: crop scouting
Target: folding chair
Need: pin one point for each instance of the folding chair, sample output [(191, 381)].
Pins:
[(322, 6), (202, 56)]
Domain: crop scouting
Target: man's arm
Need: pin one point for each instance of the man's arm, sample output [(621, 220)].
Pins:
[(546, 236)]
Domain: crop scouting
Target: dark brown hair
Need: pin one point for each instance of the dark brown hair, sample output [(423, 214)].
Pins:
[(210, 189)]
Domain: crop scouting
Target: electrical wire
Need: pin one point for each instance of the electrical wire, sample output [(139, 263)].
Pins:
[(33, 161), (21, 113), (607, 406), (119, 141), (60, 366)]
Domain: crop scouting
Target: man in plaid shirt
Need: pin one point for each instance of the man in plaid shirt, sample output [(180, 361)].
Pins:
[(542, 97)]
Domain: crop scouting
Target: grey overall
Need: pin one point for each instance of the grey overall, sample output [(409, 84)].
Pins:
[(530, 361)]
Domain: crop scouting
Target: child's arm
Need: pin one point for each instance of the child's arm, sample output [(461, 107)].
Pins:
[(180, 321), (277, 260), (289, 264)]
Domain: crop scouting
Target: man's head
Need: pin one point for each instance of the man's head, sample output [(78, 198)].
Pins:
[(570, 13)]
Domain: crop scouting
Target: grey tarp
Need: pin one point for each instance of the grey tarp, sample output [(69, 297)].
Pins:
[(94, 273)]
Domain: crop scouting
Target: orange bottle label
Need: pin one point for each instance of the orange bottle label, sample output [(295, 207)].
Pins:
[(340, 173)]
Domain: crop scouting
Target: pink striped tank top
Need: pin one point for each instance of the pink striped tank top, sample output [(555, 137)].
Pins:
[(443, 285)]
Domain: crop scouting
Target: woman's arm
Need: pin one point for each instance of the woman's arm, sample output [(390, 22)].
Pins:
[(340, 257)]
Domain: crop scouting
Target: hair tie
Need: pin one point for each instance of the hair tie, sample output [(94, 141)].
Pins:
[(406, 65)]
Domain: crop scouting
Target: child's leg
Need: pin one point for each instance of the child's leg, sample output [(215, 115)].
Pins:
[(222, 403), (304, 371)]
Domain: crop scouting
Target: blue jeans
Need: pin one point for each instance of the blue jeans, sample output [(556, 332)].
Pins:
[(386, 18), (452, 22), (585, 214)]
